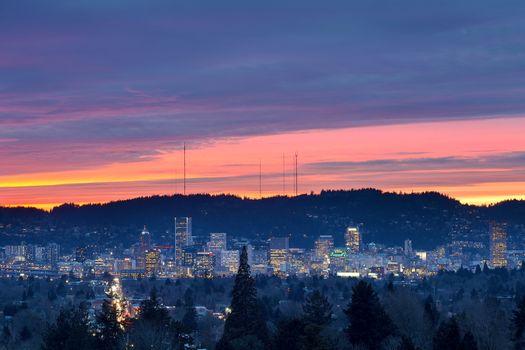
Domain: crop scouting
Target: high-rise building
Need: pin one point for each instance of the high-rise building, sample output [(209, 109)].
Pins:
[(182, 237), (338, 260), (144, 246), (323, 246), (353, 239), (145, 240), (15, 250), (279, 247), (297, 261), (230, 261), (498, 244), (259, 261), (52, 254), (152, 259), (203, 266), (409, 252), (80, 254), (217, 242)]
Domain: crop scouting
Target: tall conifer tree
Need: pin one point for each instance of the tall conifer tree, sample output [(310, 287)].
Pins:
[(369, 323), (244, 320)]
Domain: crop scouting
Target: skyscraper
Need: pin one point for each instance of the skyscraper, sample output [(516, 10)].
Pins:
[(217, 242), (145, 240), (52, 254), (144, 245), (498, 244), (203, 265), (323, 246), (152, 259), (279, 247), (182, 237), (409, 252), (230, 261), (353, 239)]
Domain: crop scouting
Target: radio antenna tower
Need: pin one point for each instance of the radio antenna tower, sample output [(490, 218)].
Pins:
[(184, 191), (260, 179), (284, 177), (296, 177)]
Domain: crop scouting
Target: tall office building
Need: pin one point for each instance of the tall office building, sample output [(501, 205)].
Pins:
[(152, 260), (338, 260), (144, 246), (259, 261), (229, 261), (203, 265), (217, 242), (182, 237), (279, 248), (297, 262), (52, 254), (353, 239), (323, 246), (498, 244), (145, 240), (409, 252)]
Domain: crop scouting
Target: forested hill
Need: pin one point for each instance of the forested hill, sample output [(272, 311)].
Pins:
[(427, 218)]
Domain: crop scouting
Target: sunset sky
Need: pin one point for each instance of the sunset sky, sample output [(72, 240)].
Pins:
[(97, 98)]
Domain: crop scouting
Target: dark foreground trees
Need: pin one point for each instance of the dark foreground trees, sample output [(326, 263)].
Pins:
[(153, 328), (109, 333), (317, 309), (369, 323), (244, 328), (70, 331), (518, 325), (448, 336)]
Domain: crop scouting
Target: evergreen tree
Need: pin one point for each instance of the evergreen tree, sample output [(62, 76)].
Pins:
[(448, 336), (431, 313), (317, 309), (109, 331), (25, 334), (69, 332), (518, 325), (245, 318), (152, 329), (369, 323), (190, 319), (469, 342), (406, 344), (288, 335), (151, 309), (486, 268), (6, 336)]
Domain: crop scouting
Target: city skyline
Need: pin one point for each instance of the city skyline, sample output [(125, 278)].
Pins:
[(97, 100)]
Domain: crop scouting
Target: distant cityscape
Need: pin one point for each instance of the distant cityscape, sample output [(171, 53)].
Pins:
[(217, 255)]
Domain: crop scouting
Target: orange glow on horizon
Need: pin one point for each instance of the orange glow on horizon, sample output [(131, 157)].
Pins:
[(232, 166)]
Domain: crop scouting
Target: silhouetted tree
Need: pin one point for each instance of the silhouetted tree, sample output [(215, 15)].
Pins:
[(406, 344), (431, 313), (69, 332), (245, 318), (109, 332), (153, 328), (369, 323), (469, 342), (518, 325), (288, 335), (317, 309), (190, 319), (25, 334), (448, 336)]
